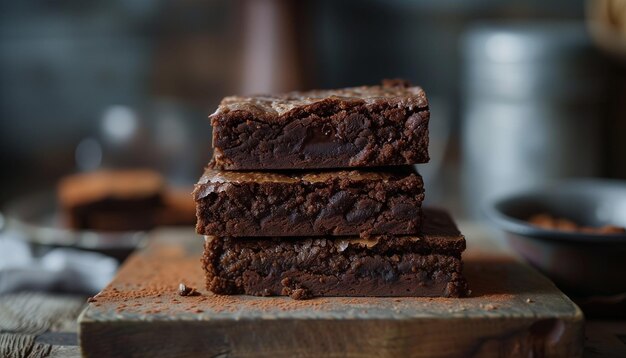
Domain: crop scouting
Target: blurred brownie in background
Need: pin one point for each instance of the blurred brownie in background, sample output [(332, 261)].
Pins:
[(111, 200), (178, 207), (122, 200)]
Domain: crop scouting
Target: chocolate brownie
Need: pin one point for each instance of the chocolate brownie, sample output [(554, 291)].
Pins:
[(111, 200), (350, 127), (179, 208), (425, 265), (296, 203)]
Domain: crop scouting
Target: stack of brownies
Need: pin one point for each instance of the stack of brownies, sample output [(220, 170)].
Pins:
[(315, 194)]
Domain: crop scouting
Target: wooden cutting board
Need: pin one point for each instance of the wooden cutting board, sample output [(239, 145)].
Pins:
[(513, 311)]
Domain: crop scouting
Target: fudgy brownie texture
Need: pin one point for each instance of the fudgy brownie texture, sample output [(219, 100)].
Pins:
[(386, 201), (425, 265), (351, 127)]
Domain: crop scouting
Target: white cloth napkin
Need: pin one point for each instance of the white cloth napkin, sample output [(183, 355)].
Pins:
[(61, 269)]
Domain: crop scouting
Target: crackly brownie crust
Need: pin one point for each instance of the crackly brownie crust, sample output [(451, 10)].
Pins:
[(351, 127), (426, 265), (297, 203)]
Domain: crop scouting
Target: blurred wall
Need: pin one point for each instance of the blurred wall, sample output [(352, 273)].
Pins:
[(64, 63)]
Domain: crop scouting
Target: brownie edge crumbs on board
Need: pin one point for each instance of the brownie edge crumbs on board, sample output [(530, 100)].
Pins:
[(309, 203), (351, 127), (378, 266)]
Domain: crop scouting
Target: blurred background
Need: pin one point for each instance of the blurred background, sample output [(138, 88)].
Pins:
[(522, 92)]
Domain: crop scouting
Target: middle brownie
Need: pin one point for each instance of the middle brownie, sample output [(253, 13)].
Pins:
[(340, 202)]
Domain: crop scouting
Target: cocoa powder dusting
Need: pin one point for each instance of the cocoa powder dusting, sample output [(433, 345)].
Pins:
[(149, 283)]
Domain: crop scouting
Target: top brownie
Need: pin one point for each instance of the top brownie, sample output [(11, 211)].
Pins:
[(351, 127)]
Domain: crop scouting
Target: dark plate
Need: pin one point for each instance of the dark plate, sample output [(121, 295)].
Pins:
[(587, 202), (581, 264)]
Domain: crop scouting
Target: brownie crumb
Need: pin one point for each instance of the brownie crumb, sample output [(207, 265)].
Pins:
[(185, 290), (294, 290)]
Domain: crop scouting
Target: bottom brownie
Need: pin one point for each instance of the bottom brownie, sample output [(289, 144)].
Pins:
[(426, 265)]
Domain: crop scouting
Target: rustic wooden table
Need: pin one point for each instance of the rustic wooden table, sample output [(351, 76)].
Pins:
[(44, 324), (39, 325)]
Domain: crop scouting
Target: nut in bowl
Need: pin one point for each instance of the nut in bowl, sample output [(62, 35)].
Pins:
[(572, 230)]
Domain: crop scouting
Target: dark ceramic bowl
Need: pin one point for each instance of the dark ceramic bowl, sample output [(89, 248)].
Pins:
[(581, 264)]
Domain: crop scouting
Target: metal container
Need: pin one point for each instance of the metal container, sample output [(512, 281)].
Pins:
[(533, 95)]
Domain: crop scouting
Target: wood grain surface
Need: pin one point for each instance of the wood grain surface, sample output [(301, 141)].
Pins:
[(513, 311), (39, 324)]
